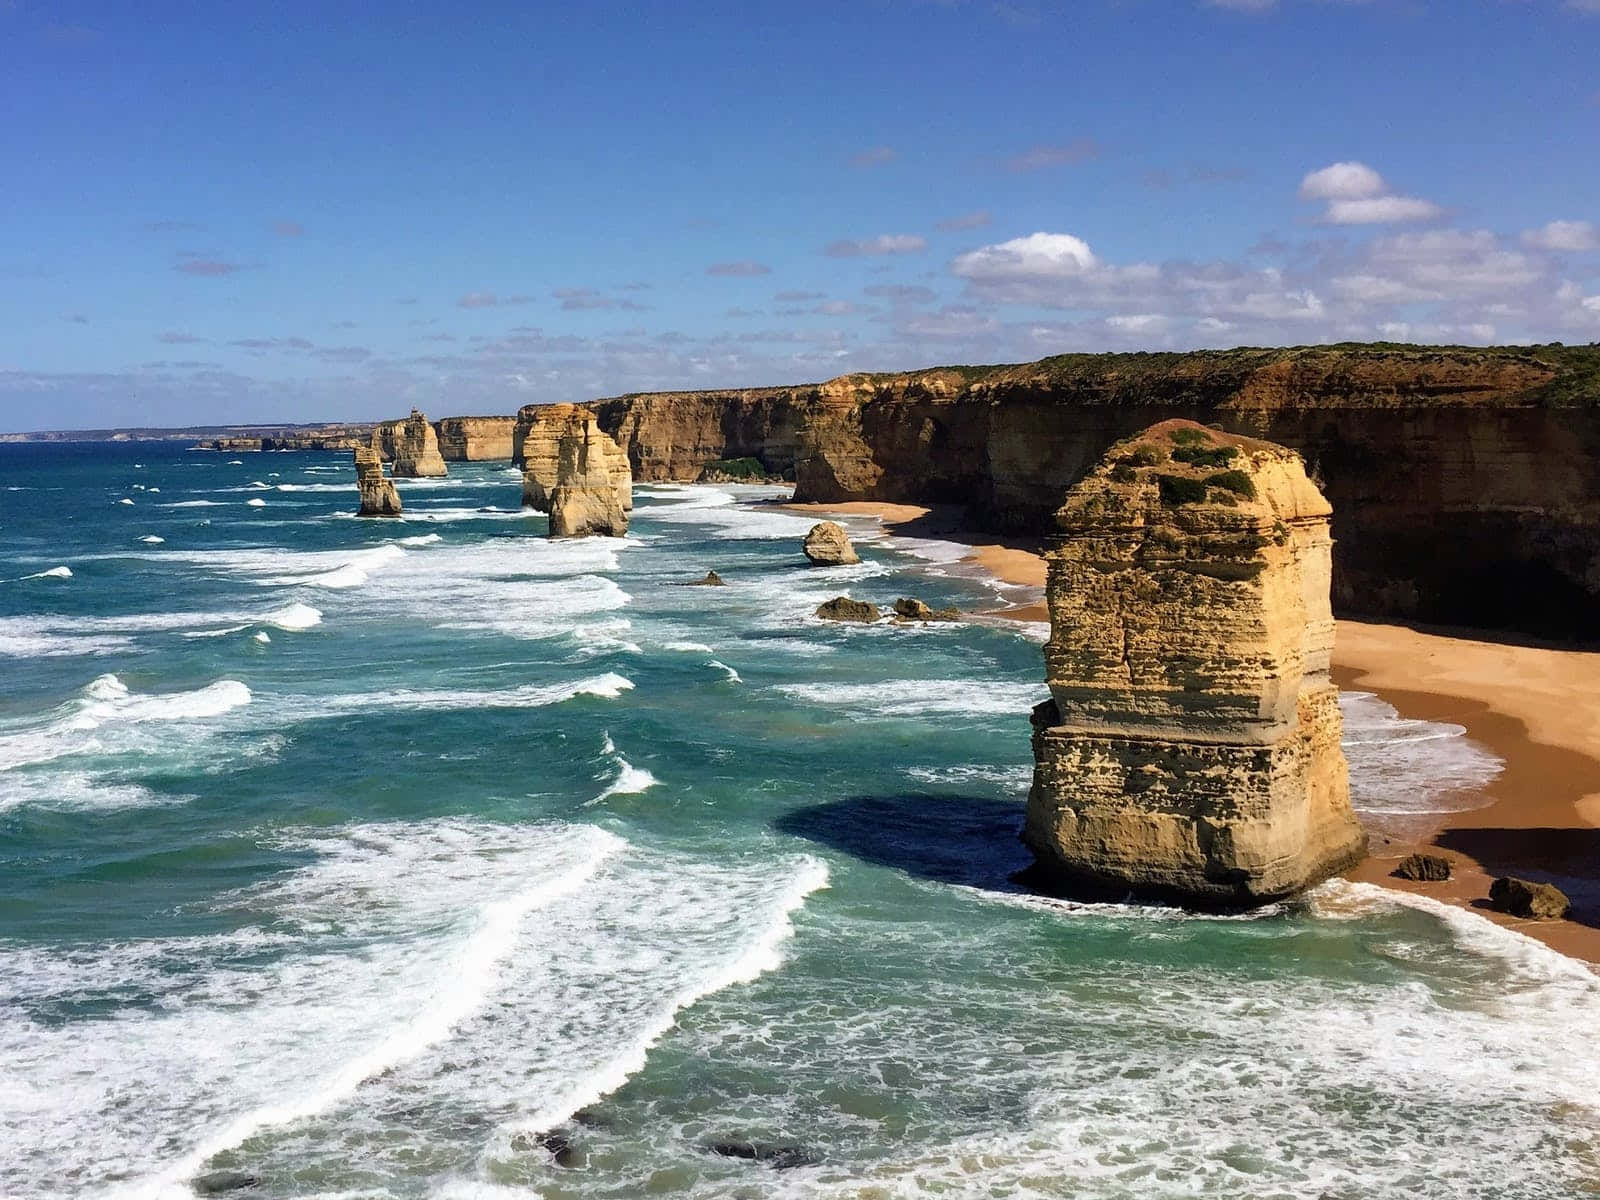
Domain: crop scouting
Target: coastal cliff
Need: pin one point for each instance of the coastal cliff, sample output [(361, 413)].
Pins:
[(475, 439), (1465, 482), (1190, 748)]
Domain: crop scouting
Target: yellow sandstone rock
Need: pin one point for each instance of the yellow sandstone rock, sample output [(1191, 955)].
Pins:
[(540, 432), (1190, 748)]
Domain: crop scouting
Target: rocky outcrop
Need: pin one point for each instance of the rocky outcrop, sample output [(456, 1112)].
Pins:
[(712, 579), (827, 545), (1190, 749), (378, 495), (475, 439), (1423, 868), (1529, 900), (537, 439), (908, 608), (1465, 481), (412, 446), (842, 608), (585, 500)]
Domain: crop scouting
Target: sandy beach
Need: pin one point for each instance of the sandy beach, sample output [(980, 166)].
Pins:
[(1536, 708)]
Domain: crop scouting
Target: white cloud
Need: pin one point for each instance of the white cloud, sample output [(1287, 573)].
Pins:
[(1358, 195), (1380, 210), (1343, 181), (1037, 256), (1564, 235)]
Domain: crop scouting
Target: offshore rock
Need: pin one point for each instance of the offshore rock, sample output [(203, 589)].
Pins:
[(412, 445), (536, 447), (378, 496), (827, 545), (1524, 898), (842, 608), (1190, 749), (908, 608), (475, 439), (585, 499), (712, 579)]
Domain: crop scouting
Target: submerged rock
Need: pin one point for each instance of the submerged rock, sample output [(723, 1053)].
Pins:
[(1524, 898), (827, 545), (1190, 749), (842, 608), (378, 495), (1423, 868), (217, 1183), (779, 1155)]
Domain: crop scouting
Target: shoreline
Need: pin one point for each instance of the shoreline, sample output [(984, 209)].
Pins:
[(1533, 707)]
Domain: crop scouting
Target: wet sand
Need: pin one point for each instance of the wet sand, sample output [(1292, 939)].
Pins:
[(1536, 708)]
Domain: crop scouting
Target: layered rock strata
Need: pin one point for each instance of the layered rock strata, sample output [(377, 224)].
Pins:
[(475, 439), (1190, 749), (378, 495), (1465, 481), (537, 438), (412, 446), (586, 500)]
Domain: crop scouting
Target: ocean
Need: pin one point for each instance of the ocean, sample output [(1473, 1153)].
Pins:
[(429, 857)]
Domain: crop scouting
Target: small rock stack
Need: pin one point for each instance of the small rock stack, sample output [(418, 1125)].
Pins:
[(378, 496), (413, 447), (542, 430), (584, 501), (1190, 749)]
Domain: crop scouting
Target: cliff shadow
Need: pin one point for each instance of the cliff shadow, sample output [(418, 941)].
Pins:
[(969, 840)]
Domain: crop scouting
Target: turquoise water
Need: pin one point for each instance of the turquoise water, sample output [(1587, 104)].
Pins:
[(357, 855)]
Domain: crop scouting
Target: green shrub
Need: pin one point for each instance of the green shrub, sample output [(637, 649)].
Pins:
[(1185, 435), (1175, 489), (1236, 482), (1202, 456), (1123, 473), (1145, 455), (735, 468)]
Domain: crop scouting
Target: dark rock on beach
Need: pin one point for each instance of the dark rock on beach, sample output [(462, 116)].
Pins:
[(1524, 898), (1423, 868), (842, 608)]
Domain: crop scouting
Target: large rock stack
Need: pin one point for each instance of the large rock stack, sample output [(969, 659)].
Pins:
[(412, 445), (378, 497), (541, 431), (585, 500), (1190, 748)]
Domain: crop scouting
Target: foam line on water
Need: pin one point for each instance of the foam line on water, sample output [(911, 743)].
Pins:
[(903, 698)]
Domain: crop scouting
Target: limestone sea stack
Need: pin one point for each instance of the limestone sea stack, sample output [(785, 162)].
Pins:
[(585, 500), (412, 445), (537, 442), (827, 545), (378, 496), (1190, 749)]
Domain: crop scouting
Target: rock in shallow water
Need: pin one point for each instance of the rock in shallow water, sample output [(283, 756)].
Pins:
[(1524, 898), (217, 1183), (908, 609), (781, 1156), (1190, 749), (827, 545), (842, 608), (712, 579), (1423, 868)]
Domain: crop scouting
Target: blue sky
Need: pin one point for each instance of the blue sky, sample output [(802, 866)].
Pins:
[(217, 212)]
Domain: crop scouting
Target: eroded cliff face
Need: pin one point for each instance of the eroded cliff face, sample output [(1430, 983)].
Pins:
[(412, 446), (586, 501), (1465, 482), (475, 439), (1190, 748), (541, 431)]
